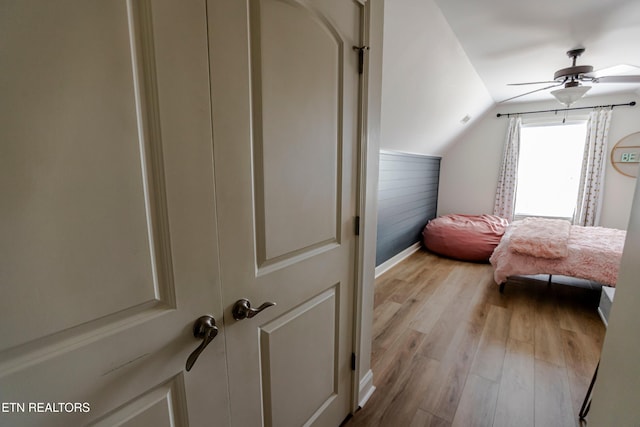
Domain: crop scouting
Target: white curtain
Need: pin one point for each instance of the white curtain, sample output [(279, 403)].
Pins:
[(506, 191), (593, 165)]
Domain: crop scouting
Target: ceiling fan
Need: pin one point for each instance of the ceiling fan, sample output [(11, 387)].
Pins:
[(571, 78)]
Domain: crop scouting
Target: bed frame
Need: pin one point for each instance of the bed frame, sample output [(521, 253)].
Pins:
[(563, 280)]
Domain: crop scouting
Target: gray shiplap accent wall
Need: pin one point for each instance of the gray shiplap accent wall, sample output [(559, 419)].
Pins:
[(407, 199)]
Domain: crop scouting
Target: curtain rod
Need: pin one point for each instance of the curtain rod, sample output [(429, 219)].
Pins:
[(630, 104)]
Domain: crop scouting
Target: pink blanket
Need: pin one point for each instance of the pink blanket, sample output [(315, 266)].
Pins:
[(541, 237), (594, 253)]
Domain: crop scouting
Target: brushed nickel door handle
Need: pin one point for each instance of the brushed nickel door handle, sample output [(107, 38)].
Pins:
[(206, 329), (242, 309)]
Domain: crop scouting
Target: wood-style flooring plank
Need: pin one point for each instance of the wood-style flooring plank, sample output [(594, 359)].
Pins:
[(516, 395), (382, 316), (581, 353), (392, 363), (552, 401), (427, 265), (408, 392), (387, 283), (477, 404), (437, 302), (452, 315), (425, 419), (384, 288), (402, 291), (581, 356), (491, 294), (522, 303), (470, 277), (391, 370), (548, 339), (491, 350), (397, 324), (443, 331), (487, 295), (575, 310), (444, 393)]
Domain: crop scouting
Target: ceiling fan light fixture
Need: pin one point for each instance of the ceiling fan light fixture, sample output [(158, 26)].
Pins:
[(569, 95)]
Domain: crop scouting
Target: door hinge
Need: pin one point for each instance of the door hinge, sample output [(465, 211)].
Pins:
[(353, 361), (361, 50), (357, 225)]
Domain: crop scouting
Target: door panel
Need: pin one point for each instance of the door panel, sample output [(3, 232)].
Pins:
[(284, 94), (72, 188), (163, 406), (299, 369), (287, 92), (109, 246)]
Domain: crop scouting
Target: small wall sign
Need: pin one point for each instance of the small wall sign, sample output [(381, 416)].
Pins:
[(625, 155)]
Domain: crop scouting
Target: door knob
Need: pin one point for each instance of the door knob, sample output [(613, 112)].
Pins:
[(242, 309), (206, 329)]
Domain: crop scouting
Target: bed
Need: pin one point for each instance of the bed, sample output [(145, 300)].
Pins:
[(555, 247)]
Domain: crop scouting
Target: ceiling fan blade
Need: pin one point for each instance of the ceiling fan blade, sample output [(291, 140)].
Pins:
[(529, 93), (617, 79), (616, 70), (531, 83)]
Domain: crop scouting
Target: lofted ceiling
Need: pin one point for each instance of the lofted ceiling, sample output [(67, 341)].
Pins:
[(513, 41)]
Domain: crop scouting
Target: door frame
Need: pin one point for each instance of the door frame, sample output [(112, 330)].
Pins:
[(370, 95)]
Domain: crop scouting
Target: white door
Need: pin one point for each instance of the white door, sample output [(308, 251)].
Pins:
[(108, 248), (285, 104)]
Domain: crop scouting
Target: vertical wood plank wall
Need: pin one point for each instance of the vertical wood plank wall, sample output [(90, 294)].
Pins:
[(407, 199)]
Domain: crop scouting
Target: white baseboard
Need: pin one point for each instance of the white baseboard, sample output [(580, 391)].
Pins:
[(366, 388), (604, 319), (397, 258)]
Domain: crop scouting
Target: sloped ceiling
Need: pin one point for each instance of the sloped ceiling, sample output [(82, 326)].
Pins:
[(448, 59), (428, 83), (512, 41)]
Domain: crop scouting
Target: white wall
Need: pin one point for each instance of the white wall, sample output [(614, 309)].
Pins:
[(617, 389), (428, 83), (470, 166)]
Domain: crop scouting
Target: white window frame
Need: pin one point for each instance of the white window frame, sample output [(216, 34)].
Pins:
[(545, 122)]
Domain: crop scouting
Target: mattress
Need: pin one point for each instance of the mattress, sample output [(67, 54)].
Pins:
[(593, 253)]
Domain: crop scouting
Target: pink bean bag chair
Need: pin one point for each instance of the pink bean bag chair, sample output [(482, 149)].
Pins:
[(464, 237)]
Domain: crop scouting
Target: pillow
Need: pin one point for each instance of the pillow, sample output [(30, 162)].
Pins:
[(464, 237)]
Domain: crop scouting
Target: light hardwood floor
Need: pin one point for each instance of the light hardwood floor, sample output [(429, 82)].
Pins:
[(450, 350)]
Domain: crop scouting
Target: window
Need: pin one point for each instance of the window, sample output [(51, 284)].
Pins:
[(549, 167)]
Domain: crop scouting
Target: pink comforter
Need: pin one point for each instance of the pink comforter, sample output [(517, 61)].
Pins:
[(594, 253)]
